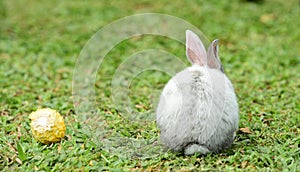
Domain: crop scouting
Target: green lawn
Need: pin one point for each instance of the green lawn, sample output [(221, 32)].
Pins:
[(41, 40)]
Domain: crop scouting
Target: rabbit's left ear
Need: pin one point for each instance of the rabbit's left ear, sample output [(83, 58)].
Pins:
[(195, 50), (213, 59)]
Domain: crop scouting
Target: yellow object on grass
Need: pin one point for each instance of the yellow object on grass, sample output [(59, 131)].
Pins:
[(47, 125)]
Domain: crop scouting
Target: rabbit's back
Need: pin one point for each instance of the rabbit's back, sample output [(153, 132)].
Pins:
[(190, 110)]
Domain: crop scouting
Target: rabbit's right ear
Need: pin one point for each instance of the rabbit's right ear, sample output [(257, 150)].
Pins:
[(213, 59), (195, 50)]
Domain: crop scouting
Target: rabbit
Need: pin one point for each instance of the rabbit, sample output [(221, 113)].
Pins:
[(198, 110)]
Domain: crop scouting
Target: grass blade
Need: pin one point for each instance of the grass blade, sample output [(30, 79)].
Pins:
[(21, 153)]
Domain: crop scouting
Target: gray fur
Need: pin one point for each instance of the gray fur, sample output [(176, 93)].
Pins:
[(198, 110)]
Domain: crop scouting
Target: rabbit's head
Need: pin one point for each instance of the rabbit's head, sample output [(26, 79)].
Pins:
[(197, 55)]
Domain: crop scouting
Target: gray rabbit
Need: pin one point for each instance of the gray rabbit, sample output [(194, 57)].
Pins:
[(198, 109)]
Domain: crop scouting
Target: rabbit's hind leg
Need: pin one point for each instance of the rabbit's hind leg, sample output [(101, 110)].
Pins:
[(196, 148)]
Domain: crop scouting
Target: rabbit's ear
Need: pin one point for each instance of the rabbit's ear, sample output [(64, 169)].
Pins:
[(213, 59), (195, 50)]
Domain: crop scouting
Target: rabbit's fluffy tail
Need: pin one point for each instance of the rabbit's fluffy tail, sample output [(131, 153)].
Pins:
[(196, 148)]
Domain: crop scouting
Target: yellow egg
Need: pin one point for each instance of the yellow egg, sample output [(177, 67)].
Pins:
[(47, 125)]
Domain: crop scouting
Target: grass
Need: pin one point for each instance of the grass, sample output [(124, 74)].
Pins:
[(40, 42)]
